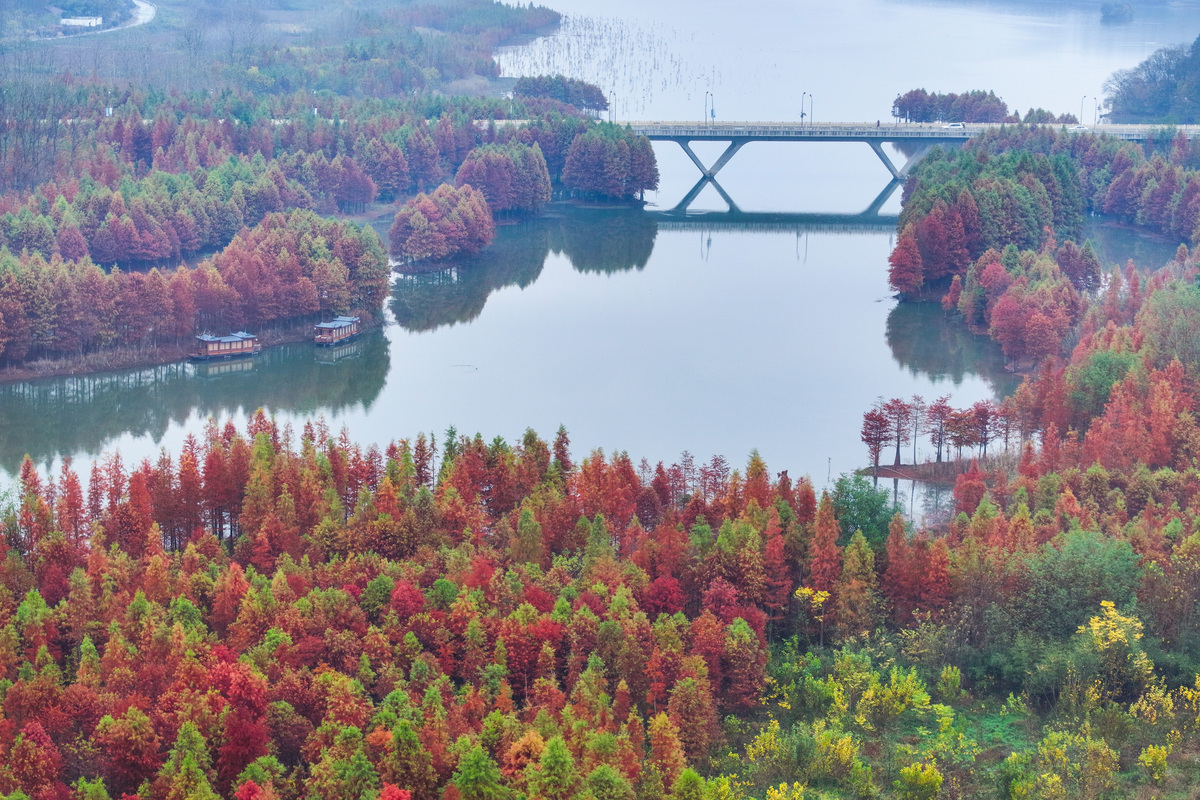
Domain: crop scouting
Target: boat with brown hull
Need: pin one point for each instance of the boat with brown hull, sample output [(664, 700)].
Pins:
[(339, 330), (235, 345)]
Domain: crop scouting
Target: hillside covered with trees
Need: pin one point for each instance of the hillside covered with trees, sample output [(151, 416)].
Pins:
[(1161, 89), (1108, 407)]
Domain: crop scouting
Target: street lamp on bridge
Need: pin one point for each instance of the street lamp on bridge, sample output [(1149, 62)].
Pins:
[(802, 96), (1081, 109), (705, 117)]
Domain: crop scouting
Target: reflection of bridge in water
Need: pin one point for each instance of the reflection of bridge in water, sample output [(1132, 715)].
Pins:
[(770, 222), (869, 220), (709, 180)]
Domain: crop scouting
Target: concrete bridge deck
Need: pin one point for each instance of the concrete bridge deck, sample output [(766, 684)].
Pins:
[(867, 131)]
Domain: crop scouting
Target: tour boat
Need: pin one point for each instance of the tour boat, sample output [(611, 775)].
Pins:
[(336, 331), (235, 345)]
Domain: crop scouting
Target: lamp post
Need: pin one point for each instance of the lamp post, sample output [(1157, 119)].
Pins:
[(1081, 109), (802, 96), (712, 110), (810, 110), (705, 117)]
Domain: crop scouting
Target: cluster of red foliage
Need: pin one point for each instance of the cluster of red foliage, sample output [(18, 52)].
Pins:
[(512, 177), (1008, 187), (330, 152), (935, 247), (369, 616), (444, 223), (1026, 301), (1127, 394), (159, 216), (290, 266), (918, 105), (141, 189), (610, 161)]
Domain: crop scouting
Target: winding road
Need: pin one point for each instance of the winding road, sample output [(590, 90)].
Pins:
[(143, 12)]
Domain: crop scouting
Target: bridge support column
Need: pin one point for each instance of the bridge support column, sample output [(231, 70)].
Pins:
[(694, 192), (876, 204), (887, 162), (913, 160), (734, 146)]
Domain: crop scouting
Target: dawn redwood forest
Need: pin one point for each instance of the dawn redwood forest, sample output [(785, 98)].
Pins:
[(277, 612), (134, 215)]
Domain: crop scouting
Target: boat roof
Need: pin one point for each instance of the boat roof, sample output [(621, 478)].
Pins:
[(338, 322), (233, 337)]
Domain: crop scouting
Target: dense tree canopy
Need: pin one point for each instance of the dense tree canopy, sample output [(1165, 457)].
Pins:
[(289, 267), (512, 177), (919, 105), (449, 221), (570, 91), (610, 161), (1164, 88)]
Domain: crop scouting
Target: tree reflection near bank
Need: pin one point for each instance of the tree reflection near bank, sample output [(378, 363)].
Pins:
[(593, 240), (926, 341), (53, 416)]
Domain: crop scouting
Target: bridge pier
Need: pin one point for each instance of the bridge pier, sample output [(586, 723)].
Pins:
[(694, 192), (877, 204), (913, 160), (887, 162), (730, 151), (737, 143)]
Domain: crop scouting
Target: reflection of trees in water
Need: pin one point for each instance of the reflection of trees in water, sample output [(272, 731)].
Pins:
[(607, 241), (1115, 244), (927, 342), (937, 502), (425, 301), (49, 417)]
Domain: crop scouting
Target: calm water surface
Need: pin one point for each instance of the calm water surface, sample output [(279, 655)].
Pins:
[(650, 336)]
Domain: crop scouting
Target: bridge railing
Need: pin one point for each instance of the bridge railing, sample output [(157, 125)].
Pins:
[(871, 130), (794, 129)]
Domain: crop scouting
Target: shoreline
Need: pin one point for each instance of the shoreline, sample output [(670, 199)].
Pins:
[(118, 359), (113, 360), (943, 472)]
